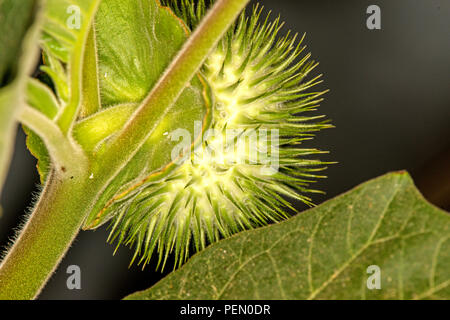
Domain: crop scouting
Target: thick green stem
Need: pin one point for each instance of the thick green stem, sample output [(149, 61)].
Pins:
[(45, 238)]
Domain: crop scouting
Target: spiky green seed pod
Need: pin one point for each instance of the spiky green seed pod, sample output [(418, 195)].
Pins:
[(228, 184)]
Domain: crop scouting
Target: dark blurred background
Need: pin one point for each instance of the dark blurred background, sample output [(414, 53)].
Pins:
[(389, 101)]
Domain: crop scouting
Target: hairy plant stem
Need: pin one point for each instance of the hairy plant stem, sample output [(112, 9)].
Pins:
[(70, 193), (45, 238)]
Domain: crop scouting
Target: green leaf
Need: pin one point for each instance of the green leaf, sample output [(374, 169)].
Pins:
[(136, 42), (324, 252), (17, 54)]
